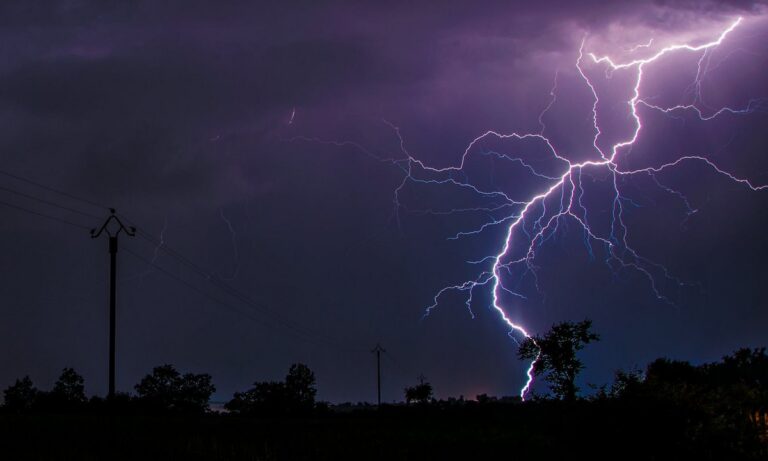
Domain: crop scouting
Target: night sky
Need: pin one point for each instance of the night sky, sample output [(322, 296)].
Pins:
[(259, 141)]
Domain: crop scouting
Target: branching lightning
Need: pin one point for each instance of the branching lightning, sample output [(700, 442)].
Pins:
[(530, 221)]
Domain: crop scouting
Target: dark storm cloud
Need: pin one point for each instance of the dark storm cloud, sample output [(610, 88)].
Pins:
[(177, 111), (148, 92)]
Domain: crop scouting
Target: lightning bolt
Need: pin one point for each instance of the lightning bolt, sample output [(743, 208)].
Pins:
[(155, 254), (532, 220)]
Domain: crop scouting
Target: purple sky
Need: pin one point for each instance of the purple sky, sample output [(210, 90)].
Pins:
[(180, 116)]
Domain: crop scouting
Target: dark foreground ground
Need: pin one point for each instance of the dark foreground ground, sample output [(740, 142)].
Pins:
[(546, 430)]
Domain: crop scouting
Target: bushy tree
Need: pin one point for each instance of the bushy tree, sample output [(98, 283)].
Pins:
[(161, 387), (719, 402), (20, 396), (195, 392), (555, 355), (69, 388), (300, 386), (421, 393), (626, 383), (68, 394), (295, 395), (166, 389), (264, 398)]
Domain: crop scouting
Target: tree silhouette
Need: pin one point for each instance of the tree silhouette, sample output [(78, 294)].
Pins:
[(626, 384), (195, 391), (556, 354), (300, 386), (69, 388), (166, 389), (722, 404), (20, 396), (160, 387), (746, 367), (295, 395), (421, 393), (68, 394), (264, 398)]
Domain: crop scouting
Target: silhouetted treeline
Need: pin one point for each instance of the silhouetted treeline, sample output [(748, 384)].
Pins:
[(68, 394), (669, 410), (724, 404), (163, 390)]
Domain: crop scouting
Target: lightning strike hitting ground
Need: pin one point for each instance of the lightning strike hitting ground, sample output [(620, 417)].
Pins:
[(531, 221)]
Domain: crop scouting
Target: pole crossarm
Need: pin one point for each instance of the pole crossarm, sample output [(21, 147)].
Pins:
[(130, 230)]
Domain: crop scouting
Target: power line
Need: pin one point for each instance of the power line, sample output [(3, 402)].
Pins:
[(186, 284), (298, 332), (52, 189), (37, 213), (207, 275), (47, 202), (399, 369), (237, 294)]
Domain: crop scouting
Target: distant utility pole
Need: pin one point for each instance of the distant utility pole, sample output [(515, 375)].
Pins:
[(112, 227), (378, 350), (421, 378)]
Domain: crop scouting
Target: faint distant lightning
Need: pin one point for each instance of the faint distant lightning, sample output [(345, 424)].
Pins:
[(293, 116), (531, 220), (156, 252), (161, 243), (234, 244)]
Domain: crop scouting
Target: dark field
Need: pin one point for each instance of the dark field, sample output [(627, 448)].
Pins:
[(537, 430)]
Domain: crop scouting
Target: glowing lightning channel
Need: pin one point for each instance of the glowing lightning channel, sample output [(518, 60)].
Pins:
[(538, 217), (571, 191)]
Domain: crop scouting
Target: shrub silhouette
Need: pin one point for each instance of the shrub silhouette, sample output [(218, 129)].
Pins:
[(294, 396), (20, 396), (626, 384), (70, 387), (264, 398), (421, 393), (300, 387), (556, 353), (166, 389), (68, 394)]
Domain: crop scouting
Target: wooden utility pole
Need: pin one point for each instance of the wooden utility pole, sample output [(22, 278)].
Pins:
[(378, 350), (112, 227)]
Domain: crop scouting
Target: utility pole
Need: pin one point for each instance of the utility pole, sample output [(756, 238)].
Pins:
[(112, 227), (421, 378), (378, 350)]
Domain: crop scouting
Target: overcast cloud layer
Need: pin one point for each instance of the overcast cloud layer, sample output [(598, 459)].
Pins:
[(186, 116)]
